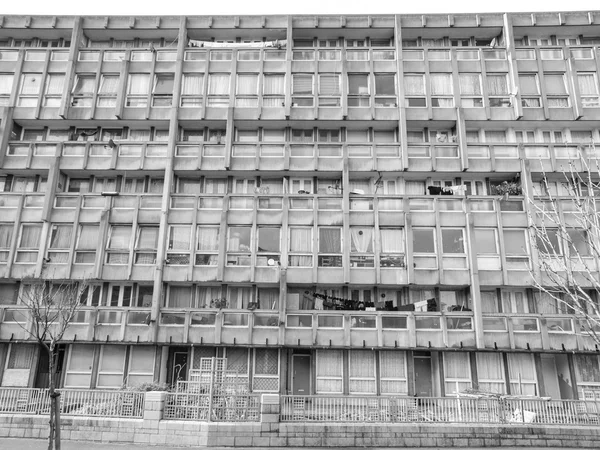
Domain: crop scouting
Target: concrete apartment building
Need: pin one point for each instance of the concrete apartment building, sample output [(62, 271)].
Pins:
[(266, 189)]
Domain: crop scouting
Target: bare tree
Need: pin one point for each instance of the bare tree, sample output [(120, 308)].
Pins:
[(52, 308), (565, 230)]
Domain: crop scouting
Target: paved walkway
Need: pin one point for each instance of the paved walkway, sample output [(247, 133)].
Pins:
[(41, 444)]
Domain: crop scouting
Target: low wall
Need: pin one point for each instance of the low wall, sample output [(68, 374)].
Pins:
[(153, 430)]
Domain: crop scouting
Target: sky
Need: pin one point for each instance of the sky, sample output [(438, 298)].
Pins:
[(242, 7)]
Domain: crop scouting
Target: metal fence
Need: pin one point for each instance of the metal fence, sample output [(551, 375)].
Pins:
[(449, 410), (73, 402)]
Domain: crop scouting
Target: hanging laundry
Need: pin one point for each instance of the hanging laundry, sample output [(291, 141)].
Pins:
[(461, 189)]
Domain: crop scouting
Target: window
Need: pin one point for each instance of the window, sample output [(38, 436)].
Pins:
[(141, 365), (358, 90), (515, 247), (548, 242), (392, 247), (361, 247), (273, 90), (29, 242), (587, 369), (119, 296), (490, 372), (329, 372), (218, 90), (424, 248), (238, 246), (207, 251), (414, 90), (179, 245), (87, 242), (118, 244), (29, 90), (441, 90), (266, 370), (301, 247), (578, 243), (60, 243), (329, 89), (453, 240), (83, 91), (330, 247), (191, 90), (137, 90), (146, 243), (470, 90), (530, 90), (107, 93), (179, 297), (6, 231), (556, 90), (457, 372), (302, 90), (385, 90), (53, 89), (79, 366), (392, 377), (6, 82), (111, 366), (361, 372), (247, 91), (588, 88), (497, 85), (269, 246), (162, 93), (522, 374)]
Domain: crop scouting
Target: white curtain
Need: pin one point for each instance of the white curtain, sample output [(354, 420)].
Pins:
[(329, 84), (6, 81), (112, 365), (268, 299), (302, 84), (55, 84), (84, 85), (192, 84), (414, 187), (120, 237), (247, 84), (239, 297), (330, 240), (88, 237), (490, 372), (329, 371), (301, 242), (206, 294), (521, 369), (457, 371), (61, 236), (413, 85), (587, 84), (30, 236), (470, 84), (361, 371), (392, 368), (497, 84), (180, 296), (5, 235), (218, 84), (138, 83), (179, 238), (208, 238), (21, 356), (362, 239), (441, 83), (489, 301), (148, 238), (392, 240), (215, 186), (109, 84)]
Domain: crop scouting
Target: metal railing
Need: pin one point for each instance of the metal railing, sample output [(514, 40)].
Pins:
[(73, 402), (233, 407), (448, 410)]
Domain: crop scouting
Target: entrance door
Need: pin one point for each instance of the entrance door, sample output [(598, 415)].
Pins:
[(301, 374), (180, 361), (423, 383)]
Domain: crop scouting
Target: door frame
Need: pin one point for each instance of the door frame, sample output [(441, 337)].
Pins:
[(309, 357)]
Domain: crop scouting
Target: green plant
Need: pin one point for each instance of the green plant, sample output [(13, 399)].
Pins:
[(507, 188)]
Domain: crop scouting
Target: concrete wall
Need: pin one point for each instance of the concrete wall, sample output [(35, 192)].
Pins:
[(152, 430)]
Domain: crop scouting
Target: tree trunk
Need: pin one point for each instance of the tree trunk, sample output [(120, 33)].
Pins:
[(52, 422)]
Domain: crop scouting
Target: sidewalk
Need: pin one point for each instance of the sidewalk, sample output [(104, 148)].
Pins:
[(41, 444)]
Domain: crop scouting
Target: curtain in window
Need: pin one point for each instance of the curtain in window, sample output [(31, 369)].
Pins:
[(6, 82), (302, 84), (180, 297), (489, 301), (587, 368), (330, 240), (141, 365), (457, 372), (497, 84), (362, 185), (391, 240), (529, 85), (88, 237), (587, 84), (469, 84), (139, 135), (112, 366), (30, 236), (31, 83), (218, 84), (179, 238), (55, 84), (268, 299), (392, 368), (361, 371), (5, 235), (555, 84), (239, 297), (362, 239), (584, 137), (208, 239), (329, 371), (61, 236), (490, 372), (274, 84), (120, 237), (414, 187), (301, 242), (521, 367), (206, 294), (21, 356), (441, 84), (215, 186), (247, 84), (109, 84), (495, 136), (138, 83), (413, 85), (192, 84), (329, 84)]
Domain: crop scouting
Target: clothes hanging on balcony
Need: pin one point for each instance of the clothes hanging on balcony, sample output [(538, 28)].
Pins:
[(461, 189)]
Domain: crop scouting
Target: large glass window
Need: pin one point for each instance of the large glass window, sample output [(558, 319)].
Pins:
[(273, 90), (138, 86), (330, 247), (238, 246), (302, 90), (358, 90), (247, 90), (556, 90), (192, 86), (530, 90), (441, 90), (470, 90), (146, 245), (119, 240), (385, 90), (414, 91), (218, 90), (162, 93), (301, 247), (29, 242), (60, 243), (179, 244), (329, 89)]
